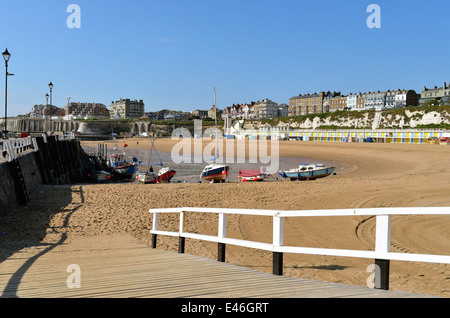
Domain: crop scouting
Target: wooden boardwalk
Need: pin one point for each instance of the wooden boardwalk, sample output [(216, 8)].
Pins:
[(122, 267)]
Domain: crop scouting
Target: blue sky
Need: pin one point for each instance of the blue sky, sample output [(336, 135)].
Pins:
[(172, 53)]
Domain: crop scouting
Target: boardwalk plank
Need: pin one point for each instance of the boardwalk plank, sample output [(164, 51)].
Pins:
[(123, 267)]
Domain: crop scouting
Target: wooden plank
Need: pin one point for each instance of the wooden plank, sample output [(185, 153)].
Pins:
[(126, 268)]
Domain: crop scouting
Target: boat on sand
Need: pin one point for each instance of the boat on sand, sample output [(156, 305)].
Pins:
[(215, 172), (253, 175), (307, 171), (165, 174)]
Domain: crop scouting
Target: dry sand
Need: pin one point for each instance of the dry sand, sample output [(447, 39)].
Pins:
[(371, 175)]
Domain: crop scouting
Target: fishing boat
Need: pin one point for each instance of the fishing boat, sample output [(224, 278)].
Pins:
[(253, 175), (215, 172), (166, 174), (147, 177), (120, 168), (307, 171)]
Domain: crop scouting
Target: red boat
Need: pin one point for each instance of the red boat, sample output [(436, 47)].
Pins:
[(166, 174), (253, 175)]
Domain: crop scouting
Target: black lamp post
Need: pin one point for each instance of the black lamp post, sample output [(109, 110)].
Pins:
[(46, 111), (6, 57), (50, 85)]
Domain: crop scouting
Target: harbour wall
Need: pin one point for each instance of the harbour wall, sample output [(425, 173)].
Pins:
[(56, 162), (95, 127)]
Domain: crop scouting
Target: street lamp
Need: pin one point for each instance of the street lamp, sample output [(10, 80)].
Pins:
[(50, 85), (6, 57)]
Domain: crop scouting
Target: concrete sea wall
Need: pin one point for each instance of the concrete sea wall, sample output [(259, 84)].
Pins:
[(56, 162)]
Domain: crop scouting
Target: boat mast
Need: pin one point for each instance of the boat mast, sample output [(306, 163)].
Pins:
[(215, 118), (215, 109)]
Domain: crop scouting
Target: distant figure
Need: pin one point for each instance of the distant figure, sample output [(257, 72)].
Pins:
[(151, 168)]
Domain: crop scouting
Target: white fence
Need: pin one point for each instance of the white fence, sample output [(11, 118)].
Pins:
[(381, 253), (14, 147)]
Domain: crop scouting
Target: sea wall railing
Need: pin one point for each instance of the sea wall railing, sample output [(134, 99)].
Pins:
[(382, 253), (12, 148)]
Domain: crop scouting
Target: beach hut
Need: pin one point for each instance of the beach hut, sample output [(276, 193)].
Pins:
[(444, 139)]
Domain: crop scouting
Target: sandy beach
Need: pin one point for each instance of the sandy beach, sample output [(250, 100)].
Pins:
[(369, 175)]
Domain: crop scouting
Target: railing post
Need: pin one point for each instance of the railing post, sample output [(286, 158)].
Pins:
[(382, 267), (382, 246), (277, 242), (154, 228), (181, 240), (154, 240), (35, 145), (222, 234)]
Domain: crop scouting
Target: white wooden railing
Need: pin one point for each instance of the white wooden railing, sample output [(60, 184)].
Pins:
[(14, 147), (382, 253)]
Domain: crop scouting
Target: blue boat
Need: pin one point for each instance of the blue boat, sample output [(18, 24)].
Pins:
[(215, 173), (121, 169), (307, 171)]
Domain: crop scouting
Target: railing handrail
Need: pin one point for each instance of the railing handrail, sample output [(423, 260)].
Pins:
[(309, 213), (382, 236), (14, 147)]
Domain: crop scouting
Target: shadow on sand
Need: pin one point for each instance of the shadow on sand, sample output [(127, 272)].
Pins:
[(27, 226)]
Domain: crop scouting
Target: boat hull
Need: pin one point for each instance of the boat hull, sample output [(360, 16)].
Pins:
[(308, 175), (151, 177), (124, 172), (217, 174), (100, 176), (167, 176), (147, 178), (252, 175)]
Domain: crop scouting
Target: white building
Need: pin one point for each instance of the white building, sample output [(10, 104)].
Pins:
[(375, 100), (266, 109), (352, 101), (126, 108)]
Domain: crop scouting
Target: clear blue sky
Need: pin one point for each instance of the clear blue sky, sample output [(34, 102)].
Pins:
[(172, 53)]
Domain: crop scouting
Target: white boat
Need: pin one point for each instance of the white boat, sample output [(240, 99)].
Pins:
[(100, 176), (147, 177), (307, 171)]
